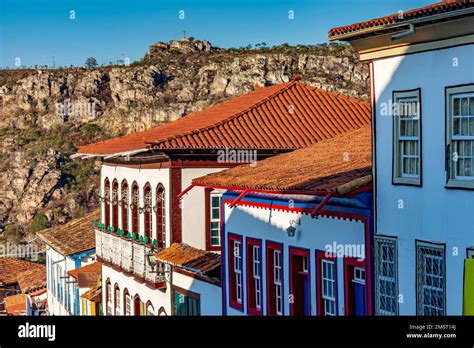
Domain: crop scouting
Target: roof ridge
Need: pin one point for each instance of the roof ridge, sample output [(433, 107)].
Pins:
[(285, 86)]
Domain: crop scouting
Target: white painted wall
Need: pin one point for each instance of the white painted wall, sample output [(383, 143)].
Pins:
[(141, 176), (158, 298), (193, 208), (55, 306), (431, 213), (312, 234), (210, 295)]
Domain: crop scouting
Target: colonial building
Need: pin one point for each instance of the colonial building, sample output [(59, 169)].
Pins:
[(297, 231), (144, 176), (22, 287), (88, 278), (69, 247), (422, 83)]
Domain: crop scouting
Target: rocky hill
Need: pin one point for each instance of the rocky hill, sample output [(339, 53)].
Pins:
[(47, 113)]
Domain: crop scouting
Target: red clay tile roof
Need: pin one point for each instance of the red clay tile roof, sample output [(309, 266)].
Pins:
[(189, 258), (286, 116), (338, 165), (75, 236), (94, 294), (88, 275), (16, 304), (32, 280), (437, 8), (11, 268)]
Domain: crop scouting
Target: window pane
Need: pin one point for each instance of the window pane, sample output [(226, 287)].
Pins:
[(464, 126), (215, 201), (464, 106), (215, 214), (456, 107), (471, 106), (456, 124)]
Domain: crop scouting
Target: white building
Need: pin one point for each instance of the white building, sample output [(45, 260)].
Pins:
[(69, 247), (422, 77), (144, 176), (298, 231)]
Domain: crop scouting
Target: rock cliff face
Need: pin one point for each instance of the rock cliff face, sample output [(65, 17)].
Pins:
[(46, 114)]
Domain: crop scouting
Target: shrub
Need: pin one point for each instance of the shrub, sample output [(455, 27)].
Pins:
[(40, 222)]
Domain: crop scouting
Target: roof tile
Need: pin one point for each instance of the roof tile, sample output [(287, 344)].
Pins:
[(336, 165), (286, 116), (75, 236), (440, 7)]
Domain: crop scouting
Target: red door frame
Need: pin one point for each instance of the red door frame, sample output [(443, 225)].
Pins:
[(304, 253), (348, 262)]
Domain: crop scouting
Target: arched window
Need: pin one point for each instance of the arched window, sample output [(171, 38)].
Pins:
[(137, 306), (107, 201), (127, 302), (150, 311), (134, 209), (147, 204), (115, 204), (108, 297), (125, 203), (160, 212), (117, 300)]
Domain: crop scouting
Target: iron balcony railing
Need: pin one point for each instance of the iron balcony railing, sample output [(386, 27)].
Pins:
[(130, 255)]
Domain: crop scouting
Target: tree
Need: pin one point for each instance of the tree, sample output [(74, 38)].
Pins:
[(40, 222), (91, 62)]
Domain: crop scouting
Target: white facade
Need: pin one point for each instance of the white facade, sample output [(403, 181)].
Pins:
[(64, 298), (429, 212), (312, 234), (193, 232)]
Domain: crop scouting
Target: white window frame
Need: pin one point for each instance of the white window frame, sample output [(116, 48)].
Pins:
[(328, 281), (256, 275), (109, 298), (238, 270), (390, 266), (431, 252), (277, 280), (117, 298), (454, 141), (399, 141), (128, 304), (212, 220)]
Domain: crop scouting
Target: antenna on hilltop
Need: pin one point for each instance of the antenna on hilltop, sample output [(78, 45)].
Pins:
[(184, 34)]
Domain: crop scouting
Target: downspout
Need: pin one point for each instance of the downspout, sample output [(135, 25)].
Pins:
[(239, 197), (411, 31)]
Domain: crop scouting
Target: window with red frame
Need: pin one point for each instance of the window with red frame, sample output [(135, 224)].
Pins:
[(274, 279), (115, 204), (107, 201), (326, 275), (235, 271), (147, 206), (134, 209), (254, 276), (124, 199), (160, 211)]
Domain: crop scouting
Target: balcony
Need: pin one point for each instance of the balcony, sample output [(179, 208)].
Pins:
[(130, 256)]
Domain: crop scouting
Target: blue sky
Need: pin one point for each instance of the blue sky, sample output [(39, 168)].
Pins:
[(36, 30)]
